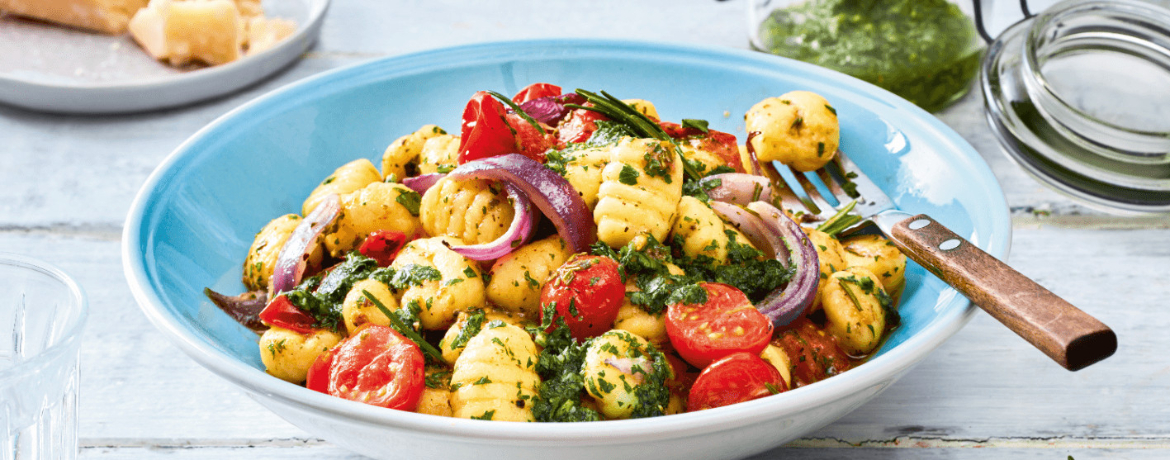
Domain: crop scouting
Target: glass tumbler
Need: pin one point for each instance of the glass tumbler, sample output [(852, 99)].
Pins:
[(42, 312), (926, 51)]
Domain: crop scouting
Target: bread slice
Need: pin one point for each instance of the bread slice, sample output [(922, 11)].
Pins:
[(105, 16)]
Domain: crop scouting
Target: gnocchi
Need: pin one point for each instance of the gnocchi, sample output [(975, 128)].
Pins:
[(639, 192), (592, 343), (798, 129), (495, 377), (473, 211), (458, 287)]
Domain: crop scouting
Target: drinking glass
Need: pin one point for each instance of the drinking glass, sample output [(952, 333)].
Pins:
[(42, 312)]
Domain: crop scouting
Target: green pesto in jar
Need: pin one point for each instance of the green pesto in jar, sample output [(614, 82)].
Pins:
[(926, 51)]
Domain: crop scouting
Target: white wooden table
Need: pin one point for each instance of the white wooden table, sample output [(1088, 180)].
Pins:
[(67, 183)]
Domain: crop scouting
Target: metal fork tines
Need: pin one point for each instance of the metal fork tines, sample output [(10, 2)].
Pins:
[(844, 182)]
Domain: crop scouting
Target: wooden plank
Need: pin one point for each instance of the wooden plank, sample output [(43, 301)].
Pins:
[(984, 383), (327, 452)]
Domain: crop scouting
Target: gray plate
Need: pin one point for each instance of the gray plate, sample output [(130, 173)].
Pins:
[(50, 68)]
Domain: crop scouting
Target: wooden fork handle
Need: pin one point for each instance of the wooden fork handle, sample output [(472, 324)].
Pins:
[(1066, 334)]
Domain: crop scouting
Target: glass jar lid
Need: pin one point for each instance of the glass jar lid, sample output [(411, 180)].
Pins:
[(1079, 97)]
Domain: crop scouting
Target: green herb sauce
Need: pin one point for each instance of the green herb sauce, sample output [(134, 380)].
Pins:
[(926, 51)]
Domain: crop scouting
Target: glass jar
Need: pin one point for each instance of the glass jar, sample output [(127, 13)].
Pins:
[(926, 51), (1079, 96)]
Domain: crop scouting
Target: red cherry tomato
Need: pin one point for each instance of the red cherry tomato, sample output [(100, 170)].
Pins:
[(587, 291), (722, 145), (814, 353), (485, 131), (529, 141), (578, 126), (536, 91), (281, 312), (383, 246), (378, 366), (736, 378), (726, 324), (318, 377)]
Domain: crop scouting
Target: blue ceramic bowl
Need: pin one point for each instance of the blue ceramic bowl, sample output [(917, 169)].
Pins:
[(191, 225)]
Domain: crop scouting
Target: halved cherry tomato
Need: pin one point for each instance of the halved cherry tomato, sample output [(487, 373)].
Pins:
[(536, 91), (281, 312), (727, 323), (718, 143), (529, 141), (485, 131), (383, 246), (587, 291), (736, 378), (813, 352), (318, 377), (378, 366), (578, 126)]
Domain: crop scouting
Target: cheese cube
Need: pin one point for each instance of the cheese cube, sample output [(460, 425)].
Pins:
[(264, 33), (181, 32), (106, 16)]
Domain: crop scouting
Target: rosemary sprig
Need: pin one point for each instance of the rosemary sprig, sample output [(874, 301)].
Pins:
[(841, 220), (617, 110), (519, 111), (403, 328)]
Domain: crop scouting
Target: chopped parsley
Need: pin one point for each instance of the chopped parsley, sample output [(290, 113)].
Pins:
[(628, 175), (609, 133), (409, 199), (472, 327), (440, 379), (559, 366)]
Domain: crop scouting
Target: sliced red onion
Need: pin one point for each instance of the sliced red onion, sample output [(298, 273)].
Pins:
[(290, 263), (550, 110), (749, 223), (424, 182), (756, 169), (739, 188), (789, 303), (523, 225), (550, 192), (244, 308)]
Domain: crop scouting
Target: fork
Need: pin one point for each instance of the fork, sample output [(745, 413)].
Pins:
[(1069, 336)]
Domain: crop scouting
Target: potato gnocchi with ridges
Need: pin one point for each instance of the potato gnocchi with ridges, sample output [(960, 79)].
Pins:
[(439, 301), (472, 211), (495, 377), (517, 278), (631, 201)]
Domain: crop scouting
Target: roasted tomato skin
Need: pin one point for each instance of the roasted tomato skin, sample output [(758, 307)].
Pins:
[(378, 366), (736, 378), (530, 142), (813, 353), (318, 376), (536, 91), (383, 246), (586, 291), (727, 323), (578, 126), (721, 144), (485, 131), (281, 312)]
